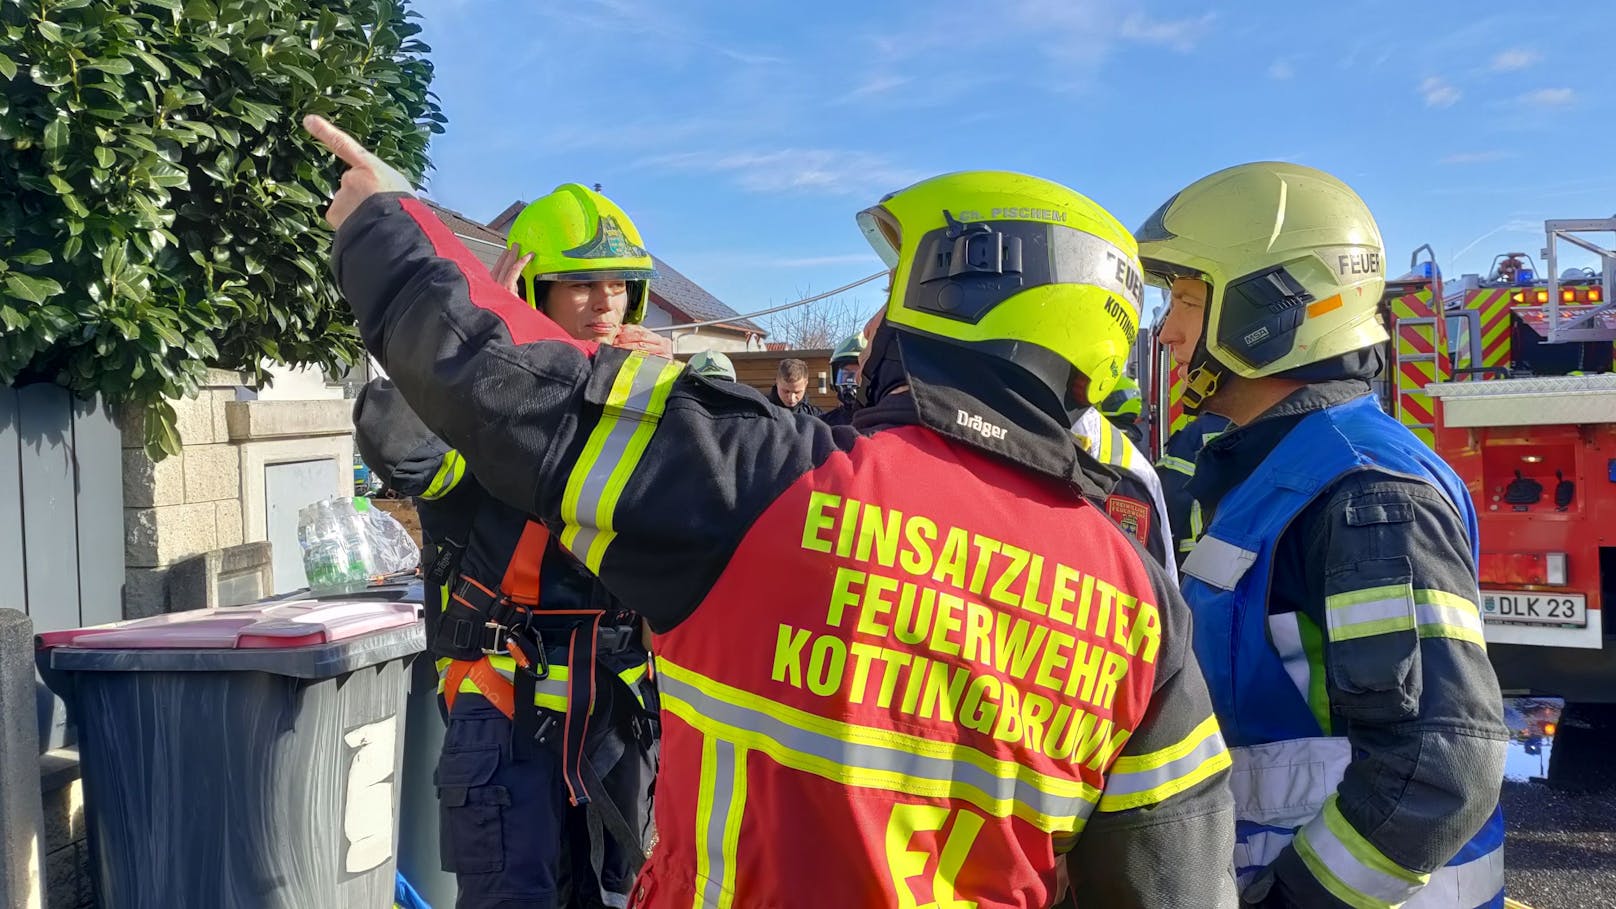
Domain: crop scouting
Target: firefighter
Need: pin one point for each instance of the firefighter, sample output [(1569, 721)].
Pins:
[(844, 369), (900, 663), (1125, 407), (1176, 468), (1334, 589), (526, 639)]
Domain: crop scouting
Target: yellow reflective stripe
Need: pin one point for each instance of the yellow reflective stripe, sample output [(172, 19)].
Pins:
[(1349, 866), (1371, 611), (549, 692), (633, 407), (1119, 447), (450, 472), (884, 759), (1177, 465), (1146, 779), (598, 437), (1447, 615), (1105, 440), (720, 803)]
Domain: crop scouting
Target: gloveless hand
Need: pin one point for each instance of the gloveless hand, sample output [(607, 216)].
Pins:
[(366, 176)]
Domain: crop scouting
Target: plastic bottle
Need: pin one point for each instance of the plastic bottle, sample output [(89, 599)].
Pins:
[(324, 561), (359, 557)]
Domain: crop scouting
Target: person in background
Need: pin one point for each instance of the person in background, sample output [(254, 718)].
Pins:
[(845, 362), (1125, 407), (791, 388), (530, 647)]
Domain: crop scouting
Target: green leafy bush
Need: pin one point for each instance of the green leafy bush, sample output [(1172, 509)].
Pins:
[(160, 206)]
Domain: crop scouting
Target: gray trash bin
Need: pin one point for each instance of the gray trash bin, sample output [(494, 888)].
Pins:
[(241, 758)]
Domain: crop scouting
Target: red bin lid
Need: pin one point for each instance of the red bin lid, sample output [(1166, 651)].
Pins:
[(297, 623)]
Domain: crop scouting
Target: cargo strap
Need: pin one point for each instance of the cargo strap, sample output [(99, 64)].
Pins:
[(504, 695)]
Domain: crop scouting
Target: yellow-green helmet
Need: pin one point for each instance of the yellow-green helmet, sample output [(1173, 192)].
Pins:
[(1294, 263), (1015, 267), (1124, 402), (577, 234), (848, 351), (712, 364)]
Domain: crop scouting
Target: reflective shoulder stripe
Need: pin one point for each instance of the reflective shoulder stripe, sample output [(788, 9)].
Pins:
[(1350, 867), (449, 475), (1146, 779), (633, 407), (1106, 441), (1447, 615), (1218, 562), (1372, 611), (1177, 465)]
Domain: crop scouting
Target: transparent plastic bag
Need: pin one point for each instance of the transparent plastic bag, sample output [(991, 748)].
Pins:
[(390, 543), (346, 542)]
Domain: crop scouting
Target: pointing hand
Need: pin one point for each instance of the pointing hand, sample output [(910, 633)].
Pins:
[(366, 176)]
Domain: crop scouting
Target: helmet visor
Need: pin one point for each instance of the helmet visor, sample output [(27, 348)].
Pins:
[(604, 274), (962, 271), (881, 230)]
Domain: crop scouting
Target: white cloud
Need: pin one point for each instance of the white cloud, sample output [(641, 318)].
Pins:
[(876, 85), (817, 261), (813, 171), (1477, 157), (1438, 93), (1515, 58), (1181, 35), (1281, 69), (1550, 97)]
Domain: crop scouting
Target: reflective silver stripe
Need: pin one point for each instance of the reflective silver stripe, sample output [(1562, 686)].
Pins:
[(1366, 613), (1119, 446), (723, 757), (1118, 785), (588, 503), (1462, 886), (1442, 614), (550, 688), (1330, 847), (1283, 785), (871, 757), (1286, 634), (1177, 465), (1219, 563)]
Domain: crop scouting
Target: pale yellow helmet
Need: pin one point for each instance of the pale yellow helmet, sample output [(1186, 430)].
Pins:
[(1294, 263)]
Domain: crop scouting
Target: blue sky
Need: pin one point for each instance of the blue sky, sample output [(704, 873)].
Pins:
[(743, 137)]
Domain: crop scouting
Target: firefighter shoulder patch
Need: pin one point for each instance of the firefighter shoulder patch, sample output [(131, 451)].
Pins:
[(1132, 515)]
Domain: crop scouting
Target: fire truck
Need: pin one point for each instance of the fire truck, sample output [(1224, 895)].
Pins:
[(1509, 377)]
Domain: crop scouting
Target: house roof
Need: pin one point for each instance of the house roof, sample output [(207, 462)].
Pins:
[(485, 244), (689, 299)]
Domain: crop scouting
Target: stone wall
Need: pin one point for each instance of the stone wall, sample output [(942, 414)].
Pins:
[(68, 884), (186, 504)]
